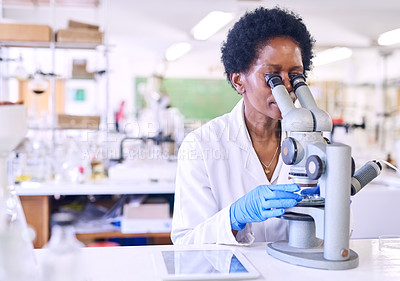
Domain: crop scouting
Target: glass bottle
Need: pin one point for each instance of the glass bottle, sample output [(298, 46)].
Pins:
[(63, 260), (17, 259)]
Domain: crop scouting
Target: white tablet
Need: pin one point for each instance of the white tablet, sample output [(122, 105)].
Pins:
[(203, 265)]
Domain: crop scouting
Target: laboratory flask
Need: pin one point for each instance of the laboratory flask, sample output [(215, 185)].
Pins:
[(62, 261)]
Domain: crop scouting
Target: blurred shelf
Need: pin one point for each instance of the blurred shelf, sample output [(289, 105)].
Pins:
[(66, 45), (151, 238), (105, 187), (46, 3), (81, 78), (118, 234), (24, 44), (62, 129), (57, 45)]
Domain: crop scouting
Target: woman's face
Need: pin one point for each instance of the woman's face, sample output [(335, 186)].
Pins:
[(280, 56)]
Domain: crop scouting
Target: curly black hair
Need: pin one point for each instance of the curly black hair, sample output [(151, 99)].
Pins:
[(256, 28)]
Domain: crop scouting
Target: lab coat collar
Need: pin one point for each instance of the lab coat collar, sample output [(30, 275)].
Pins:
[(237, 130), (239, 135)]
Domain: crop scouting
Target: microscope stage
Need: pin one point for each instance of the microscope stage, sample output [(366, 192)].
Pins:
[(311, 201)]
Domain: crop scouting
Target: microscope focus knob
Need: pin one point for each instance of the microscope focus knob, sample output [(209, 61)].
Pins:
[(353, 166), (289, 151), (314, 167)]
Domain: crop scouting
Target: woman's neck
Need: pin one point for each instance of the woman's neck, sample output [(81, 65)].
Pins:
[(262, 129), (265, 138)]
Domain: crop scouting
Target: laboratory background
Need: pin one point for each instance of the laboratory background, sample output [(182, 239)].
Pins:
[(96, 97)]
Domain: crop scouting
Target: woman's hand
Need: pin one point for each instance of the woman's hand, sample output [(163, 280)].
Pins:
[(311, 191), (263, 202)]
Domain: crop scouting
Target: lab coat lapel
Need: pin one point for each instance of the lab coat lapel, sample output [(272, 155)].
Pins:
[(253, 167), (281, 173), (239, 136)]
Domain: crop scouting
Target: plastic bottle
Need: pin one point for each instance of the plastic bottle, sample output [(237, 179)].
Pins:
[(63, 260)]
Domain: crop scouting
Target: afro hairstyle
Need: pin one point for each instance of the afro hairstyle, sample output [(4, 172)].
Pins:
[(256, 28)]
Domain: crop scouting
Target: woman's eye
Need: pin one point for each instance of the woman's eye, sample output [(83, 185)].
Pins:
[(269, 73), (291, 75)]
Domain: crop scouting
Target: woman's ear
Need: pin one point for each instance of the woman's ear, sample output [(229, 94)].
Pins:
[(237, 82)]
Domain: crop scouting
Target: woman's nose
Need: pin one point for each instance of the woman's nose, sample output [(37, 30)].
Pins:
[(286, 82)]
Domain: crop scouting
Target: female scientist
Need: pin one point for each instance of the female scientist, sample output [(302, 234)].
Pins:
[(230, 183)]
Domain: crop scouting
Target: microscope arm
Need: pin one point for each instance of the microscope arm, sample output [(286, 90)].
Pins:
[(322, 120), (293, 119)]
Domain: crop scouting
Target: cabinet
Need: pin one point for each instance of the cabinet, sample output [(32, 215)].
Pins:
[(36, 209), (36, 199)]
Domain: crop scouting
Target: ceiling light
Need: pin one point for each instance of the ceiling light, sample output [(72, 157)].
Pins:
[(177, 50), (210, 24), (332, 55), (389, 38)]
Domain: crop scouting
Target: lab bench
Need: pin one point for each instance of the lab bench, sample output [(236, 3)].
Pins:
[(36, 202), (137, 263), (374, 208)]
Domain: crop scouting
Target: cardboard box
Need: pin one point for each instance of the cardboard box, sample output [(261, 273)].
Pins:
[(65, 121), (146, 225), (79, 69), (25, 32), (77, 24), (146, 217), (147, 211), (79, 35)]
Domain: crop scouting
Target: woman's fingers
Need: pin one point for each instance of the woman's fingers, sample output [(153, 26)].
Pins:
[(279, 203), (273, 213), (284, 187)]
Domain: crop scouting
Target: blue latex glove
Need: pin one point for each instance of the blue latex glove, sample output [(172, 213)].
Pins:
[(263, 202), (311, 191)]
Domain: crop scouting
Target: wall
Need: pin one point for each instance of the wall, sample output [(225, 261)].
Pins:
[(129, 60), (196, 99)]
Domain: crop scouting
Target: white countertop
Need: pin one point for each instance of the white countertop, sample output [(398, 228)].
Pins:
[(132, 177), (103, 187), (136, 263)]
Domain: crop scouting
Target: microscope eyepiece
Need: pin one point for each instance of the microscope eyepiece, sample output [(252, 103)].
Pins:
[(273, 80), (297, 80)]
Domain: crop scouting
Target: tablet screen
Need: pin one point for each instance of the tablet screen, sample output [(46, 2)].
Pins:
[(206, 264)]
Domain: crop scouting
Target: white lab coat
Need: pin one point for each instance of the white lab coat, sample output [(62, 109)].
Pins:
[(217, 164)]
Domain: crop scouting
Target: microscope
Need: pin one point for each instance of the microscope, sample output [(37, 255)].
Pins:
[(319, 225)]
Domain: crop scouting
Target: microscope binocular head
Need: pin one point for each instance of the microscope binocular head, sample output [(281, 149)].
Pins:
[(296, 80)]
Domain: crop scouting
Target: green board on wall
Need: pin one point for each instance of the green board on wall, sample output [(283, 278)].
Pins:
[(199, 99)]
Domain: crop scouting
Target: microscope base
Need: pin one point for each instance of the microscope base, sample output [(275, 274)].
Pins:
[(313, 258)]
